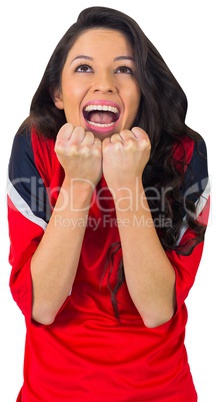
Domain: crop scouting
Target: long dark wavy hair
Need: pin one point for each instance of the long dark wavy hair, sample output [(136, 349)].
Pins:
[(161, 114)]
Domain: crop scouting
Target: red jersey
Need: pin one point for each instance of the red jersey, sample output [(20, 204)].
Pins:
[(86, 354)]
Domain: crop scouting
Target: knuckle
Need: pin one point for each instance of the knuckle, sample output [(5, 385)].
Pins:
[(73, 150), (130, 144), (118, 146), (85, 151)]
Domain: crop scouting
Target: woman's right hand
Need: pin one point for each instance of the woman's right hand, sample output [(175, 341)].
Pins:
[(79, 153), (55, 262)]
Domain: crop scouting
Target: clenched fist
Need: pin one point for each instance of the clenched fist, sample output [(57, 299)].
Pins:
[(79, 153), (124, 157)]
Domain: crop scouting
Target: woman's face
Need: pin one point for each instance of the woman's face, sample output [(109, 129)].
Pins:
[(99, 90)]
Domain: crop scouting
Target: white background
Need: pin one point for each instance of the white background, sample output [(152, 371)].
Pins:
[(185, 34)]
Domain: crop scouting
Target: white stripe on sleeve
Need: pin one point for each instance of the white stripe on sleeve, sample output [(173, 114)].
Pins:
[(23, 207)]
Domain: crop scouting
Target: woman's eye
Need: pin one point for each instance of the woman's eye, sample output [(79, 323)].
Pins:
[(84, 68), (124, 70)]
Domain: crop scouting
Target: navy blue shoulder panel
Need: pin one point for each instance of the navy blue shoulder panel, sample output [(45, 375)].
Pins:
[(196, 175), (25, 177)]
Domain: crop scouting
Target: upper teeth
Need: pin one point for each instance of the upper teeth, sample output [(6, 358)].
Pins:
[(105, 108)]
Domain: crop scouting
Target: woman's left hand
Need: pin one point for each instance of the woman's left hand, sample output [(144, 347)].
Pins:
[(125, 156)]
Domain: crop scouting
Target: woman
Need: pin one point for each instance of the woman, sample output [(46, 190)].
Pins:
[(109, 189)]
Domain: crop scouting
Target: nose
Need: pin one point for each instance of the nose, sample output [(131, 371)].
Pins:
[(104, 83)]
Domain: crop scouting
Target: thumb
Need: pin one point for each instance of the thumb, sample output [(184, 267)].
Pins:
[(139, 132), (141, 136)]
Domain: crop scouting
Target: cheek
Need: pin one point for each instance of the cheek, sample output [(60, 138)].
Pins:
[(72, 96), (132, 96), (137, 97), (132, 105), (71, 93)]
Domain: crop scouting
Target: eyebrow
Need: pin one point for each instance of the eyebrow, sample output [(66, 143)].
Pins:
[(124, 58), (84, 57)]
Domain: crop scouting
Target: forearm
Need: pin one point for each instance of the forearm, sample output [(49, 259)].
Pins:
[(149, 275), (55, 262)]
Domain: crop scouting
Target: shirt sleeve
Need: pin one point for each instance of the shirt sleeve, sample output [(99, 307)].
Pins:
[(187, 256), (28, 215)]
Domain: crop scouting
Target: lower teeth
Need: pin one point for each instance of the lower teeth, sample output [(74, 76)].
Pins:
[(100, 125)]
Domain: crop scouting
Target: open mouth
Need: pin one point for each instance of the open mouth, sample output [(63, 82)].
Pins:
[(102, 116)]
